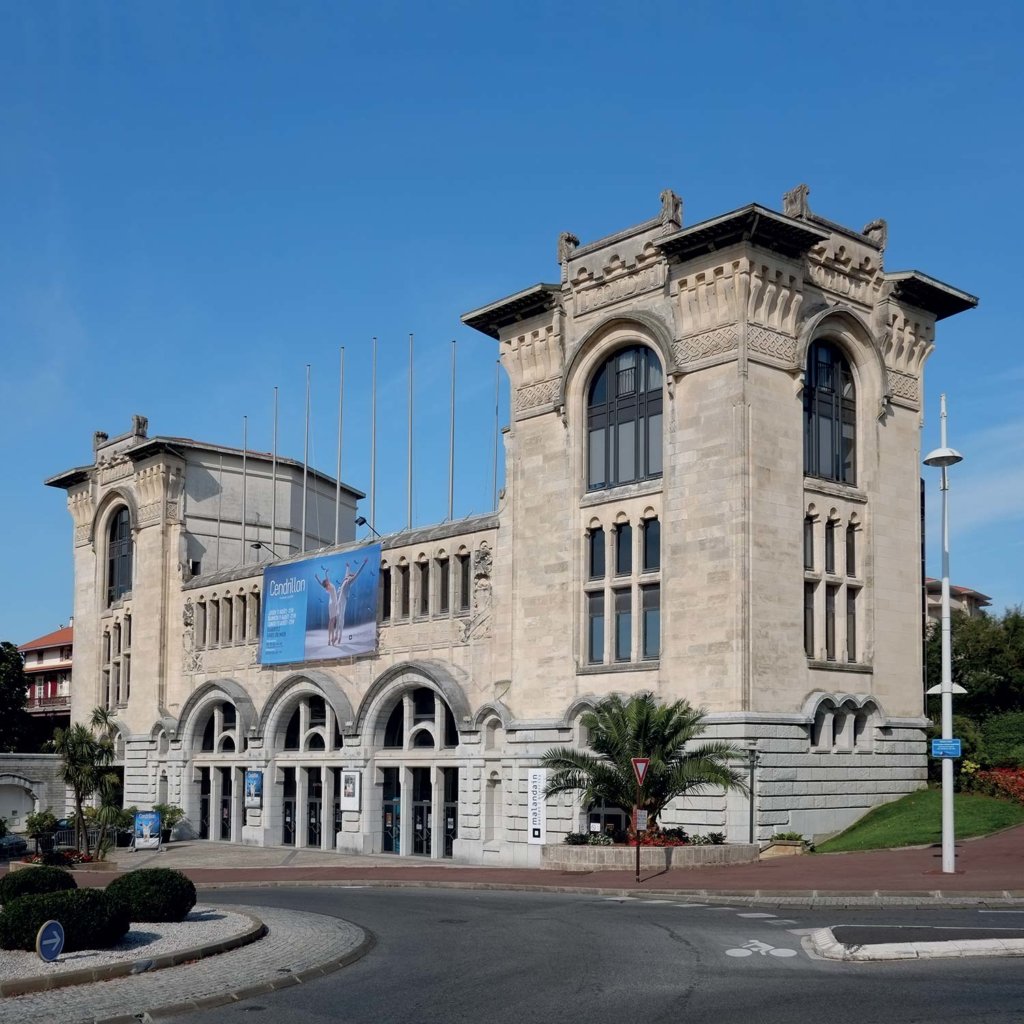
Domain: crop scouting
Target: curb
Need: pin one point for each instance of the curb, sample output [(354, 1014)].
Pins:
[(826, 945), (237, 995), (46, 982), (807, 898)]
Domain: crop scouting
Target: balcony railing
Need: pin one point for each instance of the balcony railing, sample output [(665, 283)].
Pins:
[(48, 703)]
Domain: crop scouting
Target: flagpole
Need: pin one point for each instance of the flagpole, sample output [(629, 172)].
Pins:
[(337, 475), (373, 437), (305, 462), (408, 524), (245, 478), (451, 444), (273, 484), (497, 386)]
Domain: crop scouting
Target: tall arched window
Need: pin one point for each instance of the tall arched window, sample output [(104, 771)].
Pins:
[(624, 407), (830, 415), (119, 556)]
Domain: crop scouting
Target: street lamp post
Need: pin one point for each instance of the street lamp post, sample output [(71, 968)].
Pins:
[(943, 457)]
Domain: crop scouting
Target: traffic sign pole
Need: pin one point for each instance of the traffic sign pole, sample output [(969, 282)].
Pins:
[(640, 767)]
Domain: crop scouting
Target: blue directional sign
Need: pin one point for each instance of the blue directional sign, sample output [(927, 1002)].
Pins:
[(50, 941), (945, 748)]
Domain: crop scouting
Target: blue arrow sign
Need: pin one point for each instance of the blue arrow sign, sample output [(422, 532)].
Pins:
[(50, 941), (945, 748)]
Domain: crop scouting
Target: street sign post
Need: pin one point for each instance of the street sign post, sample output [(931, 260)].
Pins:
[(50, 941), (946, 748), (640, 767)]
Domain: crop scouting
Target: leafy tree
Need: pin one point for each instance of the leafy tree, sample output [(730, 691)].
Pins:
[(13, 694), (85, 758), (987, 659), (640, 726)]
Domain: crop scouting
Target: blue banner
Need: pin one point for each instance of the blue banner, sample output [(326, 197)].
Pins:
[(147, 830), (321, 608)]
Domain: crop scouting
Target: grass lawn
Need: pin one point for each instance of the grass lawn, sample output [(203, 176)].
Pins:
[(916, 820)]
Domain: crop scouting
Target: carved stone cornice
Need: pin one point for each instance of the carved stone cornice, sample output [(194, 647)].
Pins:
[(159, 488), (848, 269), (617, 280), (82, 508), (906, 341), (118, 468)]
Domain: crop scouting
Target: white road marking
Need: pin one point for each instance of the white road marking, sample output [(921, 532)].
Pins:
[(755, 915)]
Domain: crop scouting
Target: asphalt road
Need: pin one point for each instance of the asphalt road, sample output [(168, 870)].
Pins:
[(450, 956)]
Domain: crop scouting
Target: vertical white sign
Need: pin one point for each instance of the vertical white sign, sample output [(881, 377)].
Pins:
[(537, 807)]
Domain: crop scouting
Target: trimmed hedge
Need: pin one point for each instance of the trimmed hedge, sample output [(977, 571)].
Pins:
[(154, 894), (90, 918), (32, 881)]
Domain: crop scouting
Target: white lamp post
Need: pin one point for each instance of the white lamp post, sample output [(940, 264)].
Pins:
[(944, 457)]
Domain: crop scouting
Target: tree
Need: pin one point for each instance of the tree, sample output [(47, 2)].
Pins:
[(84, 760), (987, 659), (640, 726), (13, 694)]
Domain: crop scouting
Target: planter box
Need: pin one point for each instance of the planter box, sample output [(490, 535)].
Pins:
[(652, 858), (784, 848)]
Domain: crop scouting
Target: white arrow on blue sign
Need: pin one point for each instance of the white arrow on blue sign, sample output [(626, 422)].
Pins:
[(50, 941)]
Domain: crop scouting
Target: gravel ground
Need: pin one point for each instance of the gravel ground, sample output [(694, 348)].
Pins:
[(204, 924)]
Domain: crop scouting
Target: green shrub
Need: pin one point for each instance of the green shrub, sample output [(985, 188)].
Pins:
[(577, 839), (1003, 737), (154, 894), (90, 918), (40, 823), (31, 881)]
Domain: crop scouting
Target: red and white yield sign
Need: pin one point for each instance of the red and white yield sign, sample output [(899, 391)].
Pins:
[(640, 766)]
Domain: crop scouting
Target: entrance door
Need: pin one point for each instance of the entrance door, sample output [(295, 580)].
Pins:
[(421, 811), (225, 802), (314, 806), (391, 812), (204, 803), (451, 809), (288, 808)]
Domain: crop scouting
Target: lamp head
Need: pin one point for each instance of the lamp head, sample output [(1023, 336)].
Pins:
[(360, 520), (943, 458)]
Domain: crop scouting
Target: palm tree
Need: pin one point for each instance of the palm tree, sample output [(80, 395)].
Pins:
[(84, 758), (640, 726)]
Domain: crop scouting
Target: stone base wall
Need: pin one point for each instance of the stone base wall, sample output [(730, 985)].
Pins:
[(652, 858), (30, 783)]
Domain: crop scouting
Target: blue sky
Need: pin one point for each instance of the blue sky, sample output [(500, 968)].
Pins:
[(199, 199)]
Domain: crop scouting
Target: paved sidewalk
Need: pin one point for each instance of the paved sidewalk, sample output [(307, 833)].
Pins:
[(296, 943), (991, 867)]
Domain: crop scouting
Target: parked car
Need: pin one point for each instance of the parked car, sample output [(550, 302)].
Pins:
[(12, 846)]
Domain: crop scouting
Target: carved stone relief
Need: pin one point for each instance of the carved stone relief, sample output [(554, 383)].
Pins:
[(905, 386), (534, 395), (765, 342), (703, 346), (617, 280)]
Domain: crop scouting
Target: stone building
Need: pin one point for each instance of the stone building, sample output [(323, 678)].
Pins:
[(712, 492), (48, 662)]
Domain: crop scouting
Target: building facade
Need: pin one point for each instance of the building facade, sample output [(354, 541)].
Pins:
[(711, 492), (48, 662)]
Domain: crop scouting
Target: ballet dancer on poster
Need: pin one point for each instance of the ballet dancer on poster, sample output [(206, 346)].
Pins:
[(338, 600)]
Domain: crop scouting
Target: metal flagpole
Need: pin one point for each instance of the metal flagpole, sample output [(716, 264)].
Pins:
[(497, 385), (273, 484), (408, 524), (337, 481), (305, 462), (451, 444), (373, 437), (245, 478)]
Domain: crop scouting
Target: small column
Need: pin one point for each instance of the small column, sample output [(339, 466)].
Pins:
[(216, 792), (301, 807), (437, 821), (327, 837), (408, 828), (237, 803)]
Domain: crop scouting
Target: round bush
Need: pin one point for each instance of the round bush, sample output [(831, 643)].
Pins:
[(90, 918), (154, 894), (32, 881)]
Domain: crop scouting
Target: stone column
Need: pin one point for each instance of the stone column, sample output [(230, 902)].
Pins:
[(408, 829), (301, 810), (327, 834), (216, 791)]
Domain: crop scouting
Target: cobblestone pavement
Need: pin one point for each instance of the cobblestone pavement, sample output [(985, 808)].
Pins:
[(296, 943)]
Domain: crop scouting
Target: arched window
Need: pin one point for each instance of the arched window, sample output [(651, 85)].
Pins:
[(119, 556), (830, 415), (624, 407)]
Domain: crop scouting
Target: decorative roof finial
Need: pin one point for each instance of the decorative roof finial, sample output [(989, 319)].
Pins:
[(671, 211), (794, 203)]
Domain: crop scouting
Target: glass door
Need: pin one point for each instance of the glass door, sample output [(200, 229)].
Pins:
[(451, 809), (391, 812), (204, 803), (422, 811), (225, 802), (288, 808), (314, 806)]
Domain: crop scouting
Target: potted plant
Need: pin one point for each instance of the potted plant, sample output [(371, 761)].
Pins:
[(170, 815), (40, 826), (125, 827)]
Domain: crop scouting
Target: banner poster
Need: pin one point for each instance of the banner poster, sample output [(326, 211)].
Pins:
[(321, 608), (253, 789), (537, 806), (147, 830), (347, 796)]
